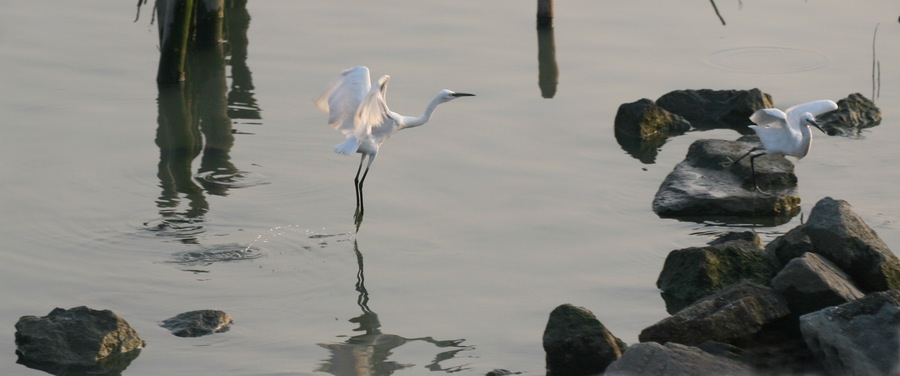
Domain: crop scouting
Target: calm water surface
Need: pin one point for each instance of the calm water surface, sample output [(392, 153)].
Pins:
[(477, 225)]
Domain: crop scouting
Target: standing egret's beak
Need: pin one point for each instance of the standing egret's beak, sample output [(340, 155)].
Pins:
[(462, 95), (815, 124)]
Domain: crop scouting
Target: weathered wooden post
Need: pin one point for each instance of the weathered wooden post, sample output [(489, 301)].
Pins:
[(174, 17), (545, 13), (210, 17)]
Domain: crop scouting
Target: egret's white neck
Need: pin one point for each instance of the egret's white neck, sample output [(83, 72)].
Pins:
[(410, 122)]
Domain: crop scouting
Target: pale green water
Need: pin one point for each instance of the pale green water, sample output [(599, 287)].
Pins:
[(477, 225)]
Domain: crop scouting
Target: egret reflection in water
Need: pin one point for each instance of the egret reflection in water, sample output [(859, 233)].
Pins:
[(369, 352)]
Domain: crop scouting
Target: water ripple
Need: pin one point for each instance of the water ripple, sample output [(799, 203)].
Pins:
[(765, 59), (217, 253), (231, 179)]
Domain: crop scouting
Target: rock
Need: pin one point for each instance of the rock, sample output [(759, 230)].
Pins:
[(690, 274), (842, 237), (857, 338), (645, 120), (738, 311), (198, 323), (77, 341), (789, 246), (701, 187), (672, 359), (716, 108), (577, 343), (811, 282), (749, 236), (641, 127), (502, 372), (854, 113)]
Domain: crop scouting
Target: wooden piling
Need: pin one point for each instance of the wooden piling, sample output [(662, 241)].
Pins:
[(174, 17), (545, 13)]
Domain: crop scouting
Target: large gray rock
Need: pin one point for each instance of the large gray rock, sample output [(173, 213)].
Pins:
[(854, 113), (811, 282), (672, 359), (857, 338), (78, 340), (734, 313), (701, 185), (577, 343), (198, 323), (690, 274), (641, 127), (707, 108), (842, 237)]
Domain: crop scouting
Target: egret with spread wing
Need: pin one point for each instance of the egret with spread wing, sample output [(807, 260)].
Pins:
[(359, 111), (785, 133)]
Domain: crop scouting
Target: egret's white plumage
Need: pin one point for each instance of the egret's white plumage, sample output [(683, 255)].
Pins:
[(787, 132), (359, 111)]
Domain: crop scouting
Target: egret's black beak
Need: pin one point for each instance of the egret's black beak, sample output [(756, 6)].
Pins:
[(462, 95), (815, 124)]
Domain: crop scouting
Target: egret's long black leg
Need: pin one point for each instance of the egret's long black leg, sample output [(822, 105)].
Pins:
[(356, 179), (753, 172), (734, 162)]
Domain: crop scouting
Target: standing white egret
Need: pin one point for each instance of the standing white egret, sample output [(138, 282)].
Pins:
[(786, 133), (359, 111)]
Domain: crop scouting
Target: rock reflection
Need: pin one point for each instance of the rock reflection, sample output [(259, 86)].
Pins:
[(195, 119), (369, 353)]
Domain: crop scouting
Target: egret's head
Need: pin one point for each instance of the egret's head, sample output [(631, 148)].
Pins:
[(808, 119), (449, 95)]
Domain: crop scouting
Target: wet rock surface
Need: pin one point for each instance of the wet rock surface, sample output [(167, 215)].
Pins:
[(198, 323), (811, 282), (77, 341), (857, 338), (854, 113), (702, 186), (738, 311), (651, 358), (576, 343), (707, 108), (641, 127), (690, 274)]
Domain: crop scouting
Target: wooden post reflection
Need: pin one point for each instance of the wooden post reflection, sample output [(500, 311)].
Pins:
[(548, 71)]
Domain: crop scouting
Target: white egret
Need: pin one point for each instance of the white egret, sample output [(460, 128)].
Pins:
[(359, 111), (785, 133)]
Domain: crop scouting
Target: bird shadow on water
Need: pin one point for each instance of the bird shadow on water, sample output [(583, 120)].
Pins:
[(369, 351)]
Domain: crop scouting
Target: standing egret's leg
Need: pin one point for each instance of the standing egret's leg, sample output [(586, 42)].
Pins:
[(360, 205), (753, 172), (356, 179), (734, 162)]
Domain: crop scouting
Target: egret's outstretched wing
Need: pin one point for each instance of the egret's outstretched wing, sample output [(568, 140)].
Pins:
[(373, 112), (343, 97), (816, 108), (771, 117)]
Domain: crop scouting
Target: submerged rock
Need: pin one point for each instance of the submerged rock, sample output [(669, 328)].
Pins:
[(577, 343), (734, 313), (854, 113), (77, 341), (861, 337), (811, 282), (690, 274), (198, 323), (707, 108), (672, 359), (701, 185)]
